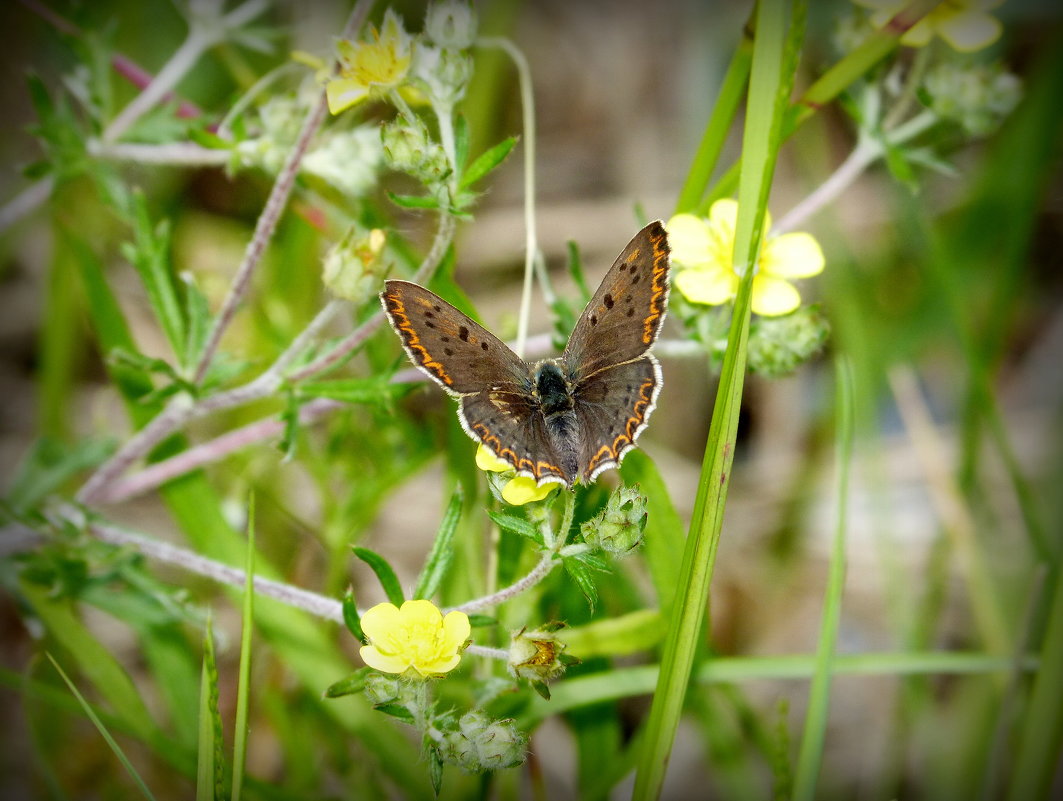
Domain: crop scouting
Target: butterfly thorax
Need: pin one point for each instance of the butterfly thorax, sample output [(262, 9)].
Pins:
[(552, 389)]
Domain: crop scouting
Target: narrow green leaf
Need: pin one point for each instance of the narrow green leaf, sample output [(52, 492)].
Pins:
[(487, 161), (717, 129), (461, 143), (354, 390), (349, 685), (93, 660), (197, 314), (413, 201), (149, 254), (435, 769), (351, 619), (811, 755), (243, 690), (759, 151), (384, 573), (48, 466), (575, 269), (582, 568), (482, 621), (396, 711), (118, 752), (442, 552), (517, 525), (210, 762)]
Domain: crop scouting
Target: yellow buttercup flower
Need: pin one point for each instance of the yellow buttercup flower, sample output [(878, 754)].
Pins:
[(370, 66), (966, 25), (703, 253), (519, 490), (414, 636)]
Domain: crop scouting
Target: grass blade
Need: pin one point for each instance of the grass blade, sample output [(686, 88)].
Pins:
[(244, 688), (118, 752), (811, 754), (759, 148)]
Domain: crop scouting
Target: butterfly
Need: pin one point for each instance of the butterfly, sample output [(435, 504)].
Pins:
[(562, 420)]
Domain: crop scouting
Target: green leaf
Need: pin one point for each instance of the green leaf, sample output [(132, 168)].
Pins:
[(48, 466), (96, 663), (210, 764), (482, 621), (582, 568), (575, 269), (118, 752), (351, 619), (461, 143), (517, 525), (396, 711), (487, 161), (149, 254), (442, 552), (435, 769), (349, 685), (384, 573), (197, 315), (413, 201)]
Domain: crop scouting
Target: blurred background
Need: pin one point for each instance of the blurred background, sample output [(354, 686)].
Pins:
[(931, 288)]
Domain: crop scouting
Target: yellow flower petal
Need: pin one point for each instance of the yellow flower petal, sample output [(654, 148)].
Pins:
[(724, 212), (689, 239), (342, 93), (773, 297), (379, 620), (457, 629), (709, 285), (796, 255), (970, 31), (437, 667), (486, 460), (386, 663), (522, 490)]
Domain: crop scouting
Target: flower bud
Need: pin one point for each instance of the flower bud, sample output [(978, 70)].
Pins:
[(618, 527), (536, 655), (779, 345), (451, 23), (444, 72), (480, 743), (353, 267), (381, 688)]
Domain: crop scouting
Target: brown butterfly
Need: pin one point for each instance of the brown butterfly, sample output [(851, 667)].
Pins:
[(559, 420)]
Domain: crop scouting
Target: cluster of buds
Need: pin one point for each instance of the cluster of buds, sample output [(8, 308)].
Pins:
[(978, 97), (618, 527), (779, 345), (480, 743), (442, 64), (409, 148)]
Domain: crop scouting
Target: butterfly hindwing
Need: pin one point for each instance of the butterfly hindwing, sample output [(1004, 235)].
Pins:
[(612, 407), (625, 315)]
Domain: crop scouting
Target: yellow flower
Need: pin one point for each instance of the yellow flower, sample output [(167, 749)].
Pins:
[(519, 490), (703, 252), (965, 24), (414, 636), (370, 66)]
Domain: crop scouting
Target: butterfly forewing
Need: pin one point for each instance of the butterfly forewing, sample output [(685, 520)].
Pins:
[(456, 352), (625, 315)]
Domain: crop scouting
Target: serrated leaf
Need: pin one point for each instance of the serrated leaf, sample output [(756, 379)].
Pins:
[(582, 575), (487, 161), (396, 711), (517, 525), (442, 553), (413, 201), (197, 316), (351, 619), (349, 685), (384, 573)]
